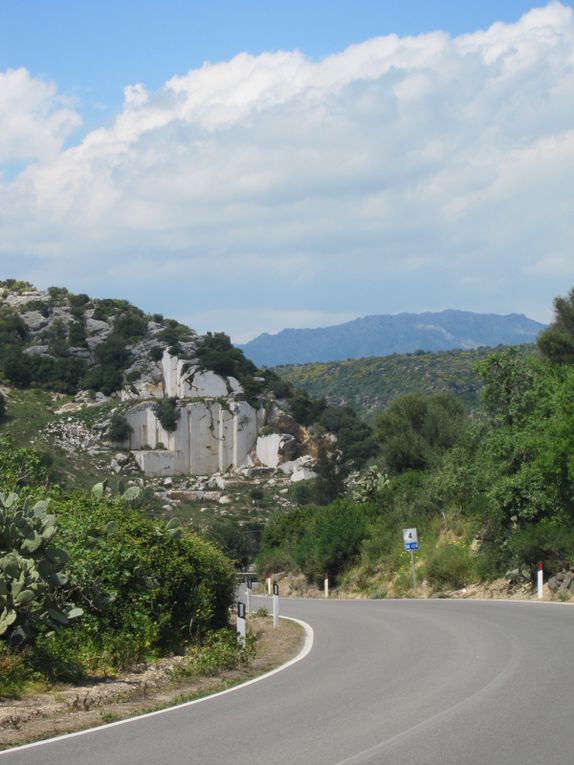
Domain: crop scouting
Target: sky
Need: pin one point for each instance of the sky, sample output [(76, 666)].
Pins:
[(246, 166)]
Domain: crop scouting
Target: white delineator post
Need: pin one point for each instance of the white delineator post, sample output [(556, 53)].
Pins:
[(268, 582), (248, 597), (241, 621), (326, 582), (275, 605), (540, 581)]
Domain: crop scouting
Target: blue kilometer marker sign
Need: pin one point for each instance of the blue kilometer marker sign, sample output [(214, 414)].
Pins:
[(410, 540)]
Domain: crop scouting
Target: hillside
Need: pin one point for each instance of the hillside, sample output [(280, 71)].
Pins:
[(369, 384), (387, 334)]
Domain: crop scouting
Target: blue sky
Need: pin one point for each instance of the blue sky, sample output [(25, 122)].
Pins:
[(333, 159)]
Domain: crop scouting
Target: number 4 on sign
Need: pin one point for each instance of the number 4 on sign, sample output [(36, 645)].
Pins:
[(410, 538)]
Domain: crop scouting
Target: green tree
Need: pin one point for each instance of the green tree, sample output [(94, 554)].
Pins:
[(557, 342), (414, 430)]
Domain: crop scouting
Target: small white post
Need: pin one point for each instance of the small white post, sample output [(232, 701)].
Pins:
[(275, 605), (241, 621), (248, 596), (268, 582), (326, 583), (540, 581), (414, 573)]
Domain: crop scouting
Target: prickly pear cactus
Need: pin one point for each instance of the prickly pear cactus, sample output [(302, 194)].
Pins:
[(368, 484), (31, 571)]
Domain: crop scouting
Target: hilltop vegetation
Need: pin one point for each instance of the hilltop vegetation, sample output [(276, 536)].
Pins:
[(370, 384)]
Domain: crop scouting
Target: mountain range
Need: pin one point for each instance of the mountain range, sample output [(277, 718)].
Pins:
[(383, 335)]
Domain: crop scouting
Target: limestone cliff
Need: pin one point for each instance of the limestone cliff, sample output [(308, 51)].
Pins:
[(111, 350)]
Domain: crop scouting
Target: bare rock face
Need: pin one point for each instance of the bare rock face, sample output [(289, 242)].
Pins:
[(35, 321), (276, 448)]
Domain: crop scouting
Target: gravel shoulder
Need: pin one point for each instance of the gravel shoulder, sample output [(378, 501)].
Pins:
[(66, 709)]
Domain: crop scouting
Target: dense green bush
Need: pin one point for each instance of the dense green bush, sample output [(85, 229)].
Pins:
[(120, 429), (415, 430), (167, 412), (314, 539), (449, 567), (141, 582)]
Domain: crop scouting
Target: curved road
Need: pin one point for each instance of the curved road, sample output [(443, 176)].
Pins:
[(433, 682)]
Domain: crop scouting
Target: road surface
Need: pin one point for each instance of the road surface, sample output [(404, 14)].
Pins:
[(435, 682)]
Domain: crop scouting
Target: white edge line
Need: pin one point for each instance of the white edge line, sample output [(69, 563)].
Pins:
[(307, 646)]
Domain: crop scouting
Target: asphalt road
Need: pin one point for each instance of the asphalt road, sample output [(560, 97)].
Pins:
[(436, 682)]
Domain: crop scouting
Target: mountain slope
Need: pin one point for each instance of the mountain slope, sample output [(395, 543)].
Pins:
[(369, 384), (387, 334)]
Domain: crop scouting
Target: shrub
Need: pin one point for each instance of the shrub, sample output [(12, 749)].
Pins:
[(119, 429), (165, 409), (14, 672), (450, 567)]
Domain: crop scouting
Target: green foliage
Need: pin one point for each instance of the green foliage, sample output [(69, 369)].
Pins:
[(449, 567), (314, 539), (546, 542), (331, 474), (2, 408), (238, 543), (112, 358), (131, 325), (370, 384), (414, 430), (58, 295), (16, 285), (304, 409), (355, 438), (77, 335), (141, 579), (21, 467), (557, 342), (156, 353), (120, 429), (31, 571), (14, 672), (216, 353), (221, 650), (165, 409)]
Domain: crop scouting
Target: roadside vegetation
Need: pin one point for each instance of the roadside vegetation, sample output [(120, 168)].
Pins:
[(491, 493), (89, 587)]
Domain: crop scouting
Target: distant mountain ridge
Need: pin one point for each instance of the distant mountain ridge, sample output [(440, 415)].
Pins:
[(383, 335)]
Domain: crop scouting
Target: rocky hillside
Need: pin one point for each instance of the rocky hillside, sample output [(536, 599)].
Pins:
[(181, 403), (384, 335)]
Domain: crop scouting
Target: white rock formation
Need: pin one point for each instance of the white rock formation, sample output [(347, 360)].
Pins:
[(272, 450), (211, 437)]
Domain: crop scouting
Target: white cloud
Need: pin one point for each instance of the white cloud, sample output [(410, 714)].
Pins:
[(396, 166), (34, 122)]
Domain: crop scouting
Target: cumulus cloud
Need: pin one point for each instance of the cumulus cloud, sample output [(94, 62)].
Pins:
[(401, 169), (34, 122)]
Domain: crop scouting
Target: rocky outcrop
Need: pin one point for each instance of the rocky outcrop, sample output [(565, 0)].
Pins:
[(562, 582), (275, 448)]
